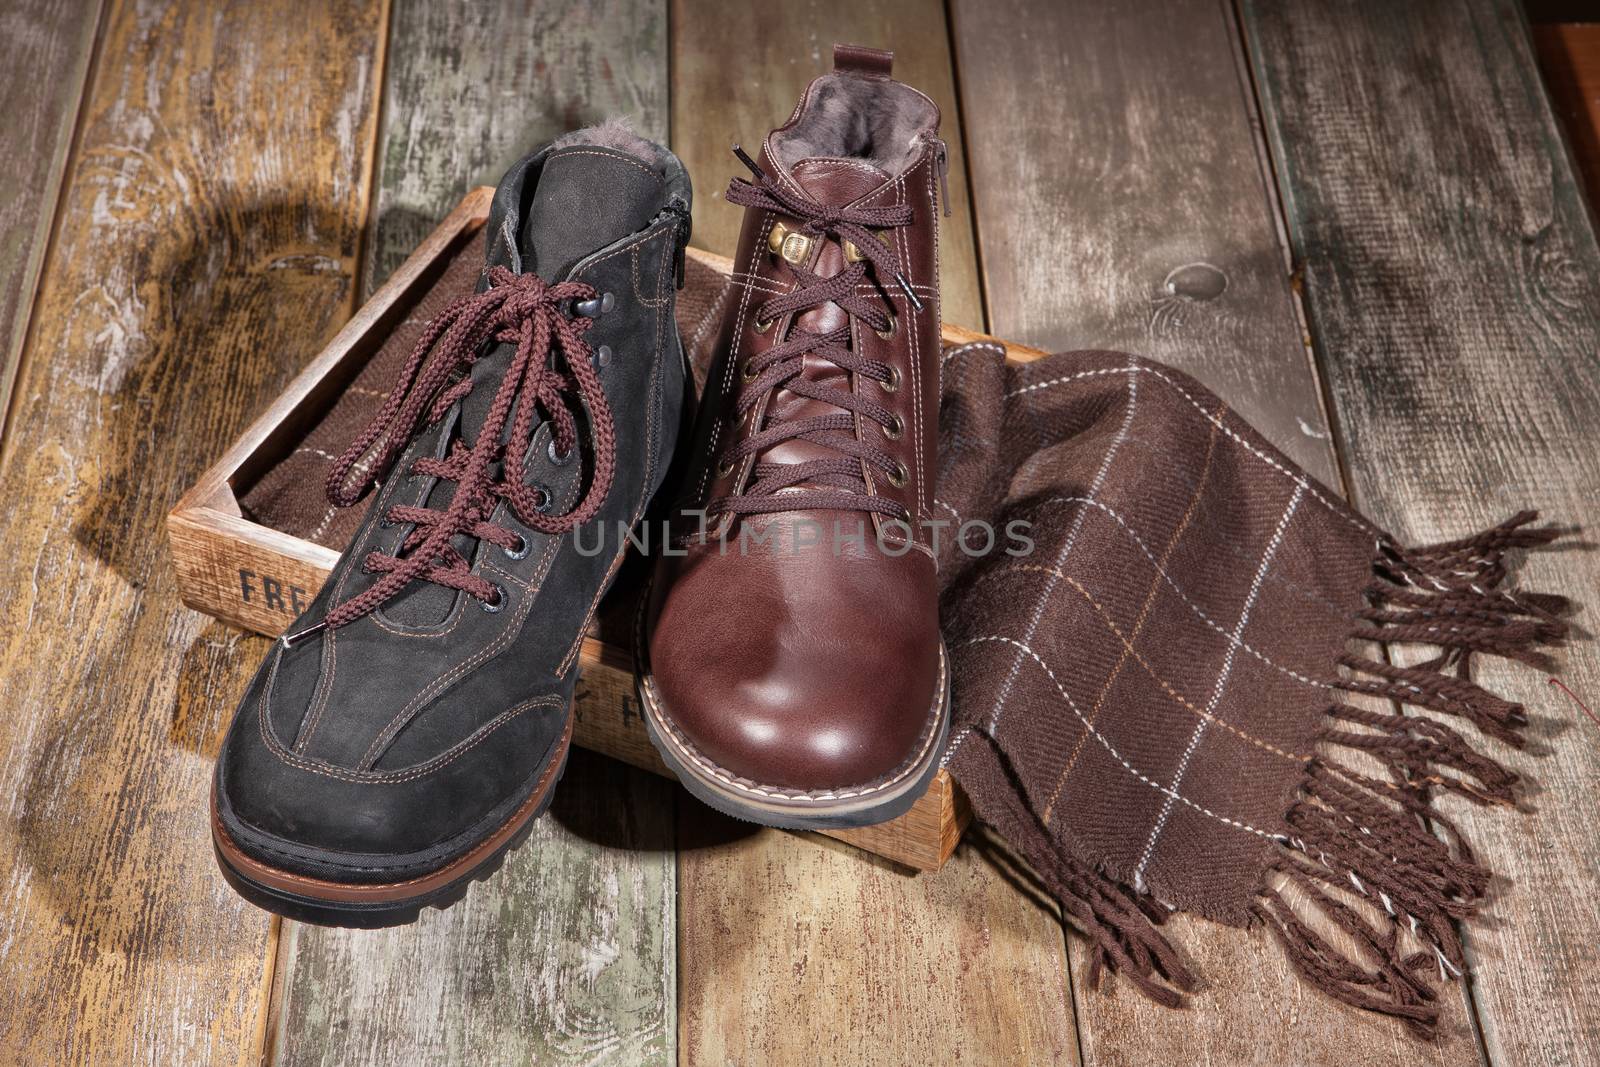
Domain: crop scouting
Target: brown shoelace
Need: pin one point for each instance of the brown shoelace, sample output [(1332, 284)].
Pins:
[(520, 309), (843, 485)]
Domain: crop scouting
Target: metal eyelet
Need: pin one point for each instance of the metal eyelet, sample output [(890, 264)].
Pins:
[(775, 238), (887, 333), (892, 383), (522, 549), (493, 606), (749, 373), (853, 253), (602, 356), (763, 327), (559, 460), (725, 467), (793, 247), (547, 499), (894, 427), (594, 307), (898, 476)]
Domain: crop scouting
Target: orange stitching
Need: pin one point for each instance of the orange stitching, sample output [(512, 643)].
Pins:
[(1144, 612), (533, 800)]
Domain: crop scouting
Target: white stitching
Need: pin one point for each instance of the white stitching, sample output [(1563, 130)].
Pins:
[(961, 350), (687, 749), (1338, 510), (1106, 744), (1221, 684), (1195, 608), (1072, 538), (911, 766)]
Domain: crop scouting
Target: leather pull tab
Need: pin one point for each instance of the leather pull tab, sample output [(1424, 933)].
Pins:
[(858, 59)]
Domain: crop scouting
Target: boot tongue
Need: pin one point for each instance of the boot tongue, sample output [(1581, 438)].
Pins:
[(587, 197), (830, 180), (835, 182)]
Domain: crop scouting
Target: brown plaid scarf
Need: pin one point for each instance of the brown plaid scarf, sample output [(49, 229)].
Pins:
[(1157, 706)]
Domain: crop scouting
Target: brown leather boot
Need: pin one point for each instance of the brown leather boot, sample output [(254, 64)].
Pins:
[(790, 663)]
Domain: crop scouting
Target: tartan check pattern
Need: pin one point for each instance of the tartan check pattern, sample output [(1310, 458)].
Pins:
[(1150, 705), (1162, 651)]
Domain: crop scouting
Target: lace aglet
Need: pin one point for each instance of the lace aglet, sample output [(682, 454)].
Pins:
[(290, 640), (755, 168), (905, 287)]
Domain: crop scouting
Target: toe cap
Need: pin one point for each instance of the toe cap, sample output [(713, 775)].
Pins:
[(805, 683)]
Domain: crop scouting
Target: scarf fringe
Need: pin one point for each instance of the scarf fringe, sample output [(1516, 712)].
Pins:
[(1121, 925), (1354, 837), (1368, 856)]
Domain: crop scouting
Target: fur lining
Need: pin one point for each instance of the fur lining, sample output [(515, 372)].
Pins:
[(849, 117), (617, 133)]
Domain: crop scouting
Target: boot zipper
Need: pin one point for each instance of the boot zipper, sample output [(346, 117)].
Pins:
[(942, 157), (684, 223)]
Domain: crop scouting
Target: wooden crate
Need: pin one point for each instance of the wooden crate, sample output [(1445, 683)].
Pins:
[(259, 578)]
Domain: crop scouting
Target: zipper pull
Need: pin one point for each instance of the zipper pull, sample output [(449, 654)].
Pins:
[(685, 223), (943, 157)]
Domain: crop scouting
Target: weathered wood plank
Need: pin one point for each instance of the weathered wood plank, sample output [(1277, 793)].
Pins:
[(1453, 284), (568, 953), (1141, 220), (471, 87), (46, 53), (549, 962), (1146, 223), (804, 951), (207, 245), (738, 70), (777, 932)]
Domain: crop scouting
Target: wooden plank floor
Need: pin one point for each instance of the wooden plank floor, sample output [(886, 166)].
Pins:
[(1394, 278), (50, 44), (207, 246)]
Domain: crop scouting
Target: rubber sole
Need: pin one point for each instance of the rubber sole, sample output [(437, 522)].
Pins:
[(375, 905), (838, 809)]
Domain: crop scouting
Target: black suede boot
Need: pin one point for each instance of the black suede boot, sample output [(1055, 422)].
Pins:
[(407, 729)]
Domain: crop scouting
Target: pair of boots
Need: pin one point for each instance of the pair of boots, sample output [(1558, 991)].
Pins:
[(407, 729)]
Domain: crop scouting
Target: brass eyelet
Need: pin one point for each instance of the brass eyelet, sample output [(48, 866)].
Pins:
[(853, 253), (749, 373), (894, 427), (898, 476), (893, 382), (763, 327), (724, 467), (794, 247), (889, 332)]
